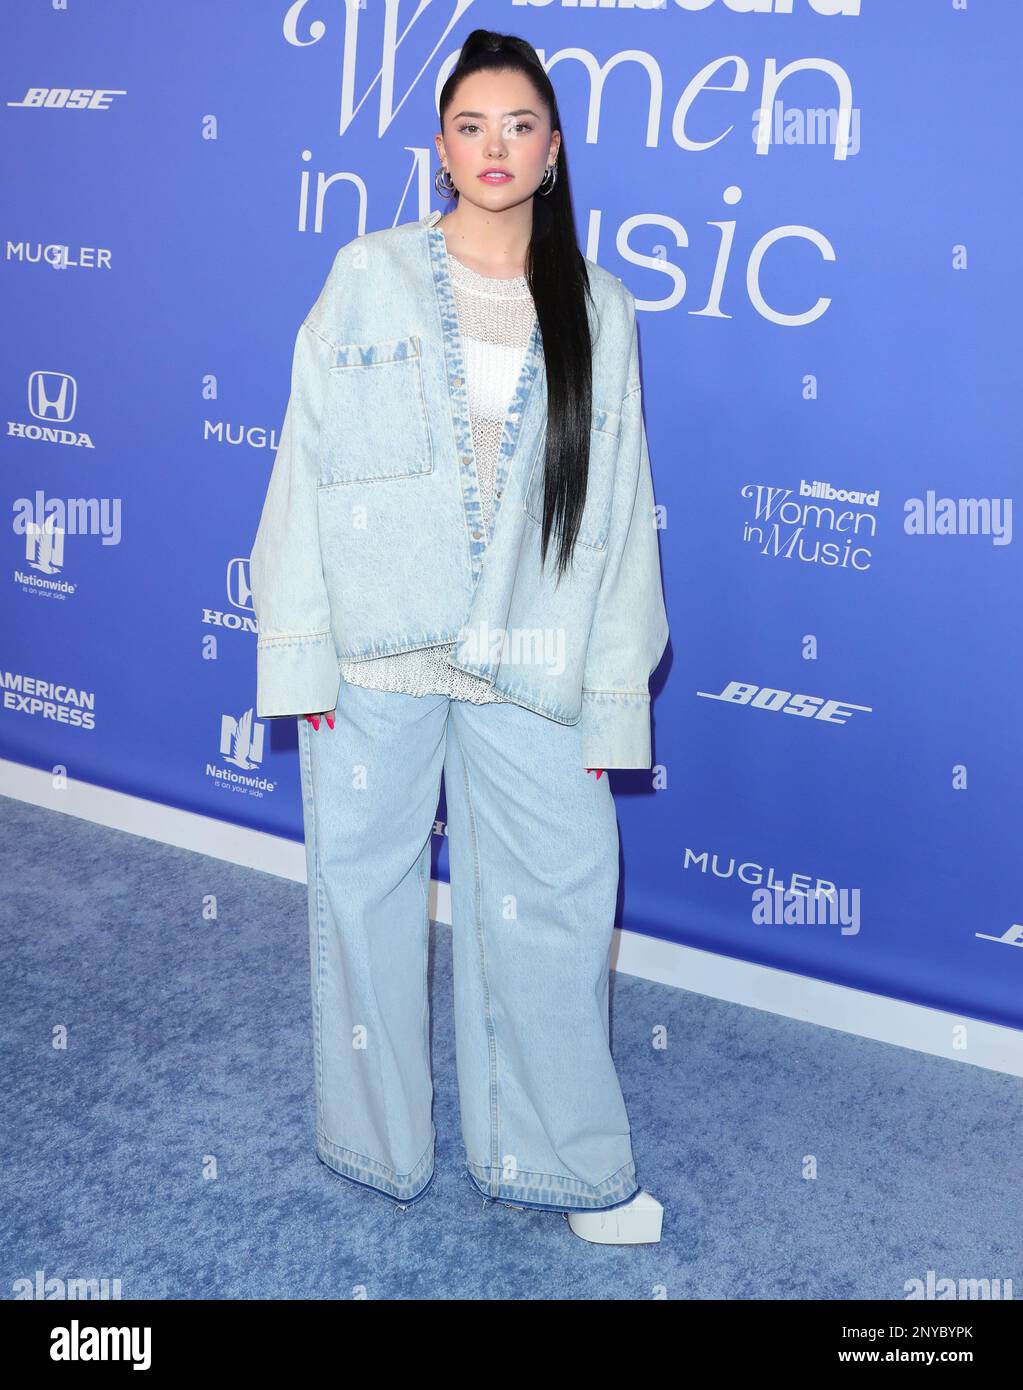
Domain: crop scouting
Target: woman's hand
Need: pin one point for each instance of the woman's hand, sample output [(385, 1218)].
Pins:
[(597, 770), (314, 719)]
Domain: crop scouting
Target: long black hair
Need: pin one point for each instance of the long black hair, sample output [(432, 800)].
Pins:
[(559, 283)]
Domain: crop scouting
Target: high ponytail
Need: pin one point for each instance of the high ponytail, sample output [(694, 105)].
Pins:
[(558, 281)]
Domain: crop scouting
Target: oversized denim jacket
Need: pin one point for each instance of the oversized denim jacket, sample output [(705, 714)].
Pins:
[(372, 538)]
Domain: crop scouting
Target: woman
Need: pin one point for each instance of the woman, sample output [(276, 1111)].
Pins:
[(456, 571)]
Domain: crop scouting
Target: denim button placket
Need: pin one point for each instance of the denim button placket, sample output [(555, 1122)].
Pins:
[(455, 359)]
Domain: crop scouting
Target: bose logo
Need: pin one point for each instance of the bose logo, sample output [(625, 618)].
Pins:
[(764, 697), (70, 98)]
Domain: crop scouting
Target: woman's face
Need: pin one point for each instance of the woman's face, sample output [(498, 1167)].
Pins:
[(497, 121)]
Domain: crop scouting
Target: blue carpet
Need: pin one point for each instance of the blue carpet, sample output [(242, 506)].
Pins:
[(170, 1144)]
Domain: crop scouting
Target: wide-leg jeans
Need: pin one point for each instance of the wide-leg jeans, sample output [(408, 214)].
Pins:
[(533, 855)]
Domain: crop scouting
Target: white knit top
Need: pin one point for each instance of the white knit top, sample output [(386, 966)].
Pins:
[(495, 319)]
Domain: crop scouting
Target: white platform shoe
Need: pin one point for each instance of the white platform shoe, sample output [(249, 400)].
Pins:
[(636, 1223)]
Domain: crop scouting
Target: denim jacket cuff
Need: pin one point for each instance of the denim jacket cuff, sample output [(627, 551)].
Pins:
[(296, 675), (616, 728)]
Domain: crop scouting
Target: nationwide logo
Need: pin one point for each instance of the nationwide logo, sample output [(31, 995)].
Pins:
[(46, 522), (44, 546), (70, 98), (241, 746), (239, 596), (241, 740), (785, 702), (52, 400), (44, 552)]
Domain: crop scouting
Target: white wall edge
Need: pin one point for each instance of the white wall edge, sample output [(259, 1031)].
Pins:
[(783, 992)]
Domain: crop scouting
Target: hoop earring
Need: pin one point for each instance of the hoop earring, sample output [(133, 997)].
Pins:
[(551, 169), (446, 190)]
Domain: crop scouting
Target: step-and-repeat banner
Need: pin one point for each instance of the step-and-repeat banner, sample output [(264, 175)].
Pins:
[(816, 205)]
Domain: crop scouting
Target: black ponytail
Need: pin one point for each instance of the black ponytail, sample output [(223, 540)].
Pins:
[(558, 281)]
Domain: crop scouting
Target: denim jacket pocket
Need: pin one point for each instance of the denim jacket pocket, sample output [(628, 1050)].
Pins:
[(596, 518), (375, 422)]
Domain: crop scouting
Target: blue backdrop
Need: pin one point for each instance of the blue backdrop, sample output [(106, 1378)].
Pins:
[(831, 378)]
